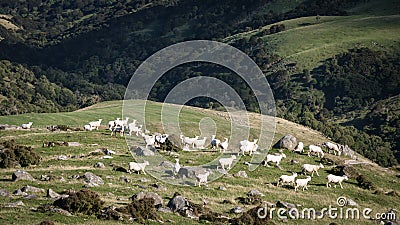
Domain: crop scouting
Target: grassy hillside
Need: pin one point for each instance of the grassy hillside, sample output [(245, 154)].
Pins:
[(116, 191), (307, 41), (111, 110)]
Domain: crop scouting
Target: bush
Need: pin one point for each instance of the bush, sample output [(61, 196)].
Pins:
[(143, 209), (12, 155), (364, 183), (84, 201), (249, 200), (214, 218), (250, 218)]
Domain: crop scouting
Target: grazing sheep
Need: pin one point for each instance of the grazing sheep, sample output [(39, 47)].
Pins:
[(133, 128), (315, 150), (331, 146), (299, 148), (287, 179), (26, 125), (118, 129), (311, 169), (248, 146), (335, 179), (111, 124), (177, 166), (226, 162), (274, 158), (224, 145), (87, 127), (302, 183), (200, 143), (187, 141), (125, 122), (137, 167), (95, 124), (160, 139), (215, 142), (149, 139), (202, 178)]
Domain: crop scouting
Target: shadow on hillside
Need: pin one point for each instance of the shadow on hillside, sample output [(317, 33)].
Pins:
[(6, 180), (304, 24)]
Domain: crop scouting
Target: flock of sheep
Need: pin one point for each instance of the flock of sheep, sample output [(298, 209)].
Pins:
[(245, 147)]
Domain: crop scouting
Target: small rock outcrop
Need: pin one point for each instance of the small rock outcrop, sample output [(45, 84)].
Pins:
[(237, 210), (241, 173), (140, 151), (99, 165), (4, 192), (22, 175), (288, 142), (158, 201), (92, 180), (31, 189)]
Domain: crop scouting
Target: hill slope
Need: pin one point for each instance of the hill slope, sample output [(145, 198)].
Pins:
[(116, 191), (95, 47)]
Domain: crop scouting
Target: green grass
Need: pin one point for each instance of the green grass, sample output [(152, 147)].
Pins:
[(309, 45), (116, 191), (374, 24)]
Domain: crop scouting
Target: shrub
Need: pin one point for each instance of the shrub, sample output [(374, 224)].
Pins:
[(214, 218), (64, 127), (84, 201), (12, 155), (251, 218), (249, 200), (364, 183), (143, 209)]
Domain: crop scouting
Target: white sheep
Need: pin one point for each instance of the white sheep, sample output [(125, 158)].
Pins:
[(200, 143), (125, 121), (202, 178), (214, 142), (335, 179), (149, 139), (113, 123), (313, 149), (302, 183), (287, 179), (226, 162), (224, 145), (160, 139), (248, 146), (311, 168), (137, 167), (299, 148), (26, 125), (187, 141), (331, 146), (177, 166), (95, 124), (134, 129), (87, 127), (274, 158)]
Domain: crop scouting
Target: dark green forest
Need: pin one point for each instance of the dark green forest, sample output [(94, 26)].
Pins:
[(72, 54)]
